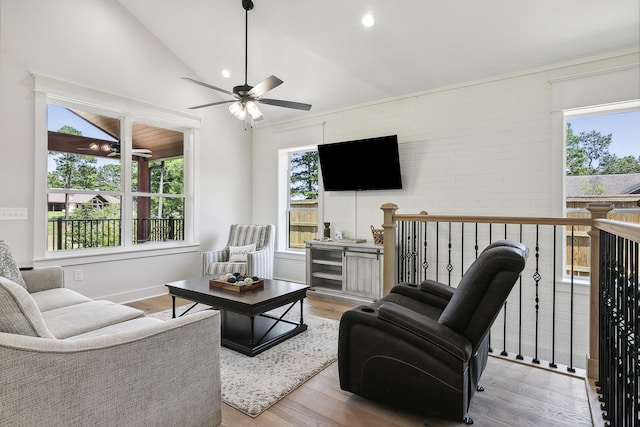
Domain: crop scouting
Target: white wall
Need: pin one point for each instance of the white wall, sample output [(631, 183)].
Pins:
[(487, 148), (98, 44)]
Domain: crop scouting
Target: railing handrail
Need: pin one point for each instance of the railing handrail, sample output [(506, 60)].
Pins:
[(622, 229), (425, 217)]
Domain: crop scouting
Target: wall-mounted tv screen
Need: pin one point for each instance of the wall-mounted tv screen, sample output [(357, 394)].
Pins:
[(364, 164)]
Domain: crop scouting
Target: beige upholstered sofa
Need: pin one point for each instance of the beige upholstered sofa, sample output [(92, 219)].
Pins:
[(69, 360)]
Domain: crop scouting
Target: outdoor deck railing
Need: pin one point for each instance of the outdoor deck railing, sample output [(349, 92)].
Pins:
[(106, 232), (552, 314)]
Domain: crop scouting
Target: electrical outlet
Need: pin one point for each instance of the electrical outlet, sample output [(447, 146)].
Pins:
[(78, 275)]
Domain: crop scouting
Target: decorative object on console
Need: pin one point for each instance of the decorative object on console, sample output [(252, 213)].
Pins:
[(327, 229), (378, 235)]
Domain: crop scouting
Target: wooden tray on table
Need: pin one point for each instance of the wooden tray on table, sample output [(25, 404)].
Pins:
[(236, 288)]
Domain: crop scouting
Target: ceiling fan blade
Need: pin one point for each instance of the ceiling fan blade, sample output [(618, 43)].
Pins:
[(212, 104), (141, 150), (208, 85), (286, 104), (265, 86)]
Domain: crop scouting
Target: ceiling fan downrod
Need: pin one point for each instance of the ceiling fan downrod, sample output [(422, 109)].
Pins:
[(247, 5)]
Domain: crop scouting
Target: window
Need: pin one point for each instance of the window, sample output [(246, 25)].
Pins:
[(302, 197), (602, 165), (114, 178)]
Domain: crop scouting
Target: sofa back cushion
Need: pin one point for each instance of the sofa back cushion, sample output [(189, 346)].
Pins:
[(8, 266), (19, 313)]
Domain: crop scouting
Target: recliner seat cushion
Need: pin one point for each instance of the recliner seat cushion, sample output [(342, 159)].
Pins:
[(81, 318)]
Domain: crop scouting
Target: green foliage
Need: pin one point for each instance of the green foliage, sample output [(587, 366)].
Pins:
[(588, 154), (593, 188), (86, 233), (304, 175)]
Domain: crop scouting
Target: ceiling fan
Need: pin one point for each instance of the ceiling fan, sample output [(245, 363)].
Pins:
[(244, 106), (114, 149)]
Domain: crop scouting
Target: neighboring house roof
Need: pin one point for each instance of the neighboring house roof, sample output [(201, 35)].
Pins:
[(80, 199), (578, 186)]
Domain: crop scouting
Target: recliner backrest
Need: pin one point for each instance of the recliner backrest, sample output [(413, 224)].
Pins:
[(483, 290)]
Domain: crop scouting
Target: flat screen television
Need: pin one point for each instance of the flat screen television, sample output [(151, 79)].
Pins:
[(364, 164)]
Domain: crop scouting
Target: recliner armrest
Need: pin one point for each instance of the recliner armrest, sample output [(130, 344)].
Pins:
[(426, 328), (429, 292)]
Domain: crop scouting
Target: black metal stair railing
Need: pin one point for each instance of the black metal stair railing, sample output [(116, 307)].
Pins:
[(619, 325), (538, 318)]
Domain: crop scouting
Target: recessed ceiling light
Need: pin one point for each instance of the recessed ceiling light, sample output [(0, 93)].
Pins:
[(226, 74), (367, 20)]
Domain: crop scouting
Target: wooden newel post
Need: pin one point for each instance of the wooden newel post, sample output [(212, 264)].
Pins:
[(389, 242), (598, 211)]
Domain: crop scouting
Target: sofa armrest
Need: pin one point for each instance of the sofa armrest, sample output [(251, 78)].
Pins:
[(162, 374), (426, 328), (214, 256), (260, 263), (43, 278)]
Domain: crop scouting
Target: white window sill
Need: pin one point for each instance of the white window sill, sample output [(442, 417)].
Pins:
[(90, 256)]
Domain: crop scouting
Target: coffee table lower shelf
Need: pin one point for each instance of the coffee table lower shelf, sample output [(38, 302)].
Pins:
[(253, 335)]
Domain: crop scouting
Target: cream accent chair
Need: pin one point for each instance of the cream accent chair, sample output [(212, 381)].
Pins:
[(259, 262)]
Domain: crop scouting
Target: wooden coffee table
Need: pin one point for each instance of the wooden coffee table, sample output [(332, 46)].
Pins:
[(245, 326)]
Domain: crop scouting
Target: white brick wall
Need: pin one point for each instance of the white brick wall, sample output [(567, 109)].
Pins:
[(491, 147)]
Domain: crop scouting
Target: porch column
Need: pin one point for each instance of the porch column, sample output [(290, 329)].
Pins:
[(598, 211), (389, 247)]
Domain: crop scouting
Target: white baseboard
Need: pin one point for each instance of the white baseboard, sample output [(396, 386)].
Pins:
[(136, 294)]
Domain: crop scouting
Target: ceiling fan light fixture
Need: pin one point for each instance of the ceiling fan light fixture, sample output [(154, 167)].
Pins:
[(253, 110), (238, 110)]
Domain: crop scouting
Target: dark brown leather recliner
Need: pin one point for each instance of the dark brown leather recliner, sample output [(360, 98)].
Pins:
[(422, 348)]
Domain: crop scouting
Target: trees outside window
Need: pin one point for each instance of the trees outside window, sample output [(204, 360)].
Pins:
[(602, 165), (90, 205), (302, 206)]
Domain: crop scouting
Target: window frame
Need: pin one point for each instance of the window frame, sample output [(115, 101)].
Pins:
[(284, 200), (567, 115), (51, 91)]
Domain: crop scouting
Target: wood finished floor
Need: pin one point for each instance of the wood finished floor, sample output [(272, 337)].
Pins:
[(516, 394)]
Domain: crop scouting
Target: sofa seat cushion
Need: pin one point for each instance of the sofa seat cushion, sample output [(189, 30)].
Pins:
[(81, 318), (52, 299), (129, 325)]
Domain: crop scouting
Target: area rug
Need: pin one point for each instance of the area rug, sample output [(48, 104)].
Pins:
[(253, 384)]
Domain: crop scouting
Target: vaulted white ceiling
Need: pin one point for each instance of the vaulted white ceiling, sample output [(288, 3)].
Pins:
[(327, 58)]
